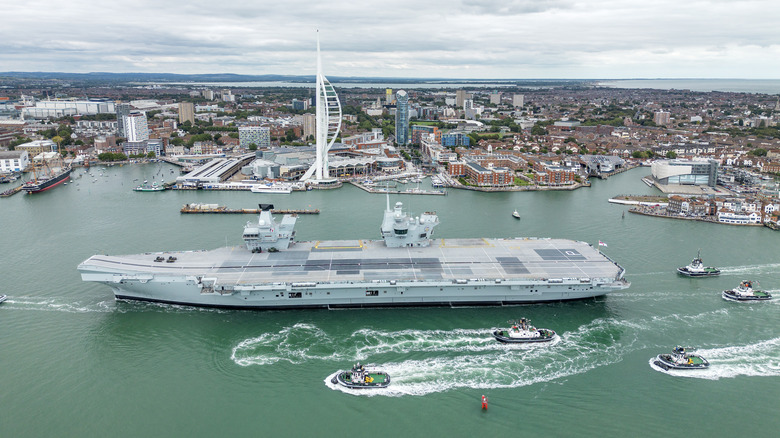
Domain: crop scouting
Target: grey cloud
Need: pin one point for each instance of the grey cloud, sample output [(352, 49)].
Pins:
[(491, 39)]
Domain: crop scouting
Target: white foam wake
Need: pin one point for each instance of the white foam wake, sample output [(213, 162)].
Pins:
[(758, 359)]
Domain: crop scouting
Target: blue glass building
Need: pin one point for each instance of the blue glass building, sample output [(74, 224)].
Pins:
[(402, 117), (455, 139)]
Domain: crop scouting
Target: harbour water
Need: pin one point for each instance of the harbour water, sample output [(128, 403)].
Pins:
[(74, 362), (765, 86)]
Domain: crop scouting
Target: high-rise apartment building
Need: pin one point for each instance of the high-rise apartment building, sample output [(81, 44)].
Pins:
[(389, 96), (418, 131), (122, 111), (468, 109), (309, 125), (300, 105), (495, 98), (460, 97), (228, 96), (402, 117), (517, 100), (186, 112), (136, 127), (662, 117), (259, 135)]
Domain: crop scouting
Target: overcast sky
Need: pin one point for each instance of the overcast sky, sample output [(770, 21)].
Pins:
[(399, 38)]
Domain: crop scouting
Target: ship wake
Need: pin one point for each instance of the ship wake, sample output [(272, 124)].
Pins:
[(752, 360)]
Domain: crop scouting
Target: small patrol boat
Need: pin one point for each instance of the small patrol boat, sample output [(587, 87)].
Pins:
[(697, 269), (515, 214), (3, 298), (522, 332), (361, 378), (681, 359), (745, 292)]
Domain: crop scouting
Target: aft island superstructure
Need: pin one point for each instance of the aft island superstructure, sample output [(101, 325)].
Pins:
[(406, 268)]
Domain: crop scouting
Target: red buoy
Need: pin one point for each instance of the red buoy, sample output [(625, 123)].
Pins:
[(484, 402)]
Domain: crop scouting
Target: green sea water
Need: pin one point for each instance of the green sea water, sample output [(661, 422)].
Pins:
[(74, 362)]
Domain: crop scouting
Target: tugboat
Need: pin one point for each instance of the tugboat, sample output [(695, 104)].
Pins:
[(745, 292), (697, 269), (361, 378), (680, 359), (522, 332)]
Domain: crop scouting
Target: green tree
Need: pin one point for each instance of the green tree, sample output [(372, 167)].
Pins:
[(252, 147), (758, 152), (57, 139), (538, 130), (671, 155), (199, 137)]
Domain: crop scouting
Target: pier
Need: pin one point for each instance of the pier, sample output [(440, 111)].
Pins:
[(11, 192), (220, 209)]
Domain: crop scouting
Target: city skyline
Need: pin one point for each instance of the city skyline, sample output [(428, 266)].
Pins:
[(461, 40)]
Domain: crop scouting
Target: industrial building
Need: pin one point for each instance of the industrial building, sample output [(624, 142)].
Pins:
[(215, 171), (14, 161)]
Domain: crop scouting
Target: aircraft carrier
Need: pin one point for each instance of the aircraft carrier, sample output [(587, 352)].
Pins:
[(406, 268)]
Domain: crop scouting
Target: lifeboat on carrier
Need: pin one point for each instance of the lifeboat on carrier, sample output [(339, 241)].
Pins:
[(361, 378), (521, 332), (681, 359), (745, 292)]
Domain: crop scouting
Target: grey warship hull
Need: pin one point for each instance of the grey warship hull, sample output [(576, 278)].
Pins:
[(448, 272)]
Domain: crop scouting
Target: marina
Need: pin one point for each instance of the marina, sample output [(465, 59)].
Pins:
[(439, 358)]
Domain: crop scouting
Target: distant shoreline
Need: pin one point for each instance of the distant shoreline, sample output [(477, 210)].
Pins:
[(762, 86)]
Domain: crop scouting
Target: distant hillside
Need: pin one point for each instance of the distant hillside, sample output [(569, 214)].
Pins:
[(153, 77), (230, 77)]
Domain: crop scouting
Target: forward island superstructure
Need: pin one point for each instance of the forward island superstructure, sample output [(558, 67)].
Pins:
[(406, 268)]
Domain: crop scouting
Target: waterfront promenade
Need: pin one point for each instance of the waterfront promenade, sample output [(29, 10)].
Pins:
[(660, 211)]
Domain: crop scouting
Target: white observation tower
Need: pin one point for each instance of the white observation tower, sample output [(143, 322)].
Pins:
[(328, 124)]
